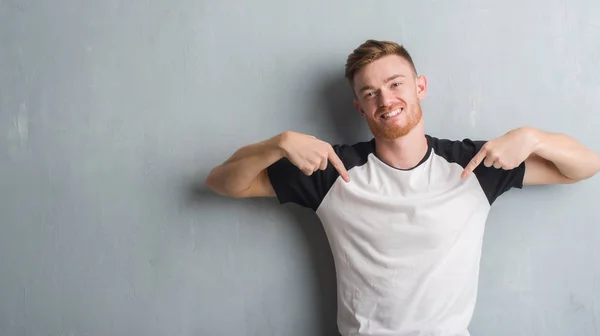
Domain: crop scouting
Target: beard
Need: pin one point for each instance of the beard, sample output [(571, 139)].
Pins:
[(411, 116)]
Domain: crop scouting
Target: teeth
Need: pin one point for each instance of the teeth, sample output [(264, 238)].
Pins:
[(391, 114)]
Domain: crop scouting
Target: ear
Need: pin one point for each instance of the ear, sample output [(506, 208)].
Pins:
[(421, 87), (357, 105)]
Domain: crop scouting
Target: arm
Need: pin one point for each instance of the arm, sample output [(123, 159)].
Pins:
[(245, 174), (558, 158)]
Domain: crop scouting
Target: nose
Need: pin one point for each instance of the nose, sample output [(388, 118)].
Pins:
[(386, 98)]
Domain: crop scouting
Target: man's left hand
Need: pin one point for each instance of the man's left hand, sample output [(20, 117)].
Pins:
[(506, 152)]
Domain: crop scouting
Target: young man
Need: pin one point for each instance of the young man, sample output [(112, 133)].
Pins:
[(404, 212)]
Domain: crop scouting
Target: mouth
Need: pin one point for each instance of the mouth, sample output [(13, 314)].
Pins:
[(393, 113)]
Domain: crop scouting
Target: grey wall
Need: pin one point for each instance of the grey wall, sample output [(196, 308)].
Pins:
[(113, 112)]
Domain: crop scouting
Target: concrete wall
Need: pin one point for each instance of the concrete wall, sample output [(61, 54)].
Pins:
[(113, 112)]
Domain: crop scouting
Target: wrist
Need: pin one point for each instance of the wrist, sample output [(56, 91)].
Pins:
[(535, 137), (277, 144)]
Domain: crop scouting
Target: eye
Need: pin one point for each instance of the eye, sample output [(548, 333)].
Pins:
[(397, 84), (369, 94)]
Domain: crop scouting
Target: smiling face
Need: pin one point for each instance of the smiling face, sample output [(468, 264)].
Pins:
[(388, 94)]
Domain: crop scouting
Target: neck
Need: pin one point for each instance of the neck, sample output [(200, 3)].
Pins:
[(405, 152)]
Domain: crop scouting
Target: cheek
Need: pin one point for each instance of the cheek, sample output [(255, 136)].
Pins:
[(368, 108), (371, 111), (406, 94)]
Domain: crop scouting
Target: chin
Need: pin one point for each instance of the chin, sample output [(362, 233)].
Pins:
[(395, 134), (390, 133)]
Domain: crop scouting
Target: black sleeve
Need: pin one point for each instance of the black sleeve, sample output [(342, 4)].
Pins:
[(493, 181), (291, 185)]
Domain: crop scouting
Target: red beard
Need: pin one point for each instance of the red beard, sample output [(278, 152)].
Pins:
[(409, 118)]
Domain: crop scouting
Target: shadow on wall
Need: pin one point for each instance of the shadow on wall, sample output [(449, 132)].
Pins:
[(336, 110), (325, 311), (341, 123)]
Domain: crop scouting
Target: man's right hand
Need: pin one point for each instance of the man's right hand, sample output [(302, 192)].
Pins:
[(310, 154)]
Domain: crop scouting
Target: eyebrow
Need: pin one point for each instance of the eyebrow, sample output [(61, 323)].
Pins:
[(391, 78)]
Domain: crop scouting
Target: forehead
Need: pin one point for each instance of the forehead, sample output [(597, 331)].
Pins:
[(375, 73)]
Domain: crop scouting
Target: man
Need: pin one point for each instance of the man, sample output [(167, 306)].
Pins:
[(404, 212)]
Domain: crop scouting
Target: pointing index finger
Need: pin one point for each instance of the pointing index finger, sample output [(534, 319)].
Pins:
[(477, 159), (339, 165)]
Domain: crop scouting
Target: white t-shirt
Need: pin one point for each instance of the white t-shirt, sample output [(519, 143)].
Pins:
[(406, 243)]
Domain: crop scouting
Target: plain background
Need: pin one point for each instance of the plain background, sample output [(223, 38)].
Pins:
[(113, 112)]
